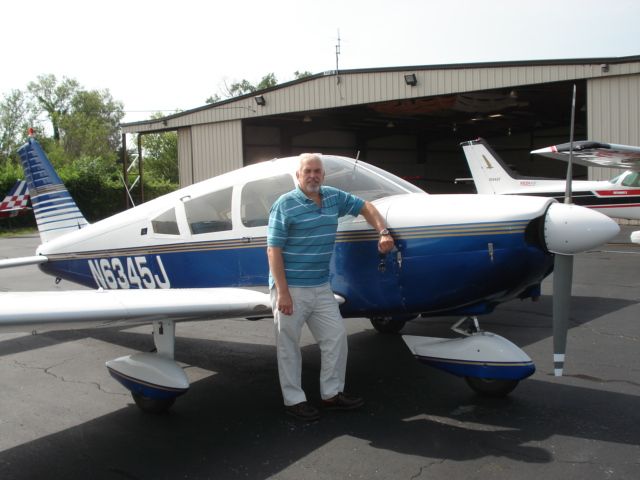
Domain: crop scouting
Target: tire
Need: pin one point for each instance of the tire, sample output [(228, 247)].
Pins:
[(387, 325), (491, 387), (153, 405)]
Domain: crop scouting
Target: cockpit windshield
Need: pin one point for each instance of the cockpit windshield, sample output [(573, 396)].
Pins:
[(364, 180)]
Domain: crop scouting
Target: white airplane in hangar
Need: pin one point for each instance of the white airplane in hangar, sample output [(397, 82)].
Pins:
[(617, 198), (199, 253)]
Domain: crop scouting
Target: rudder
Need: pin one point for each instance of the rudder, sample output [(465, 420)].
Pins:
[(490, 174), (55, 211)]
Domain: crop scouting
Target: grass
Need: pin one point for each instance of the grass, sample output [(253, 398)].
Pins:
[(17, 232)]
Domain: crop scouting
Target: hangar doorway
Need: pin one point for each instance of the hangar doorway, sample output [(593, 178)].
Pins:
[(419, 139)]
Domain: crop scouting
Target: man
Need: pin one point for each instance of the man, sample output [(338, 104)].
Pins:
[(300, 241)]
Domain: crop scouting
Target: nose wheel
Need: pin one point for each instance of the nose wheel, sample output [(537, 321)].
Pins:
[(152, 405), (491, 387)]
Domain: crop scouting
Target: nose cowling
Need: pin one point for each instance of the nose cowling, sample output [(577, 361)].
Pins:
[(571, 229)]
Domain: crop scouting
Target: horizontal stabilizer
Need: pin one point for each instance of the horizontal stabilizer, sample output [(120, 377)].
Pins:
[(23, 261)]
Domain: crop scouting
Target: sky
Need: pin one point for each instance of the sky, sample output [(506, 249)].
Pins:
[(161, 55)]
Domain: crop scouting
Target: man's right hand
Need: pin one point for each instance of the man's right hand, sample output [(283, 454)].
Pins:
[(285, 303)]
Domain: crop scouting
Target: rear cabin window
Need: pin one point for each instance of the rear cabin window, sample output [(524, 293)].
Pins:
[(166, 223), (258, 196), (210, 213)]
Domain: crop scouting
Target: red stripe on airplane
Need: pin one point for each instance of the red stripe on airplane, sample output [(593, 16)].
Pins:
[(618, 193), (620, 205)]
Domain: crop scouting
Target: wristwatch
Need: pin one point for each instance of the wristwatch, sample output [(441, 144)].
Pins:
[(384, 232)]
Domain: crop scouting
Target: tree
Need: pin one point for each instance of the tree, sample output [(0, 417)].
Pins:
[(160, 155), (90, 125), (244, 87), (298, 75), (215, 98), (17, 114), (54, 98)]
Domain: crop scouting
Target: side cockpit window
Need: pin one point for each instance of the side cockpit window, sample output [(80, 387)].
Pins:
[(258, 196), (210, 213), (632, 180), (166, 223)]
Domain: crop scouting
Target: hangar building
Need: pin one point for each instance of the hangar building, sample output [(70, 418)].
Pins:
[(411, 120)]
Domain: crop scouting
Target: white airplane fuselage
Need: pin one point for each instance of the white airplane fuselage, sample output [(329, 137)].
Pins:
[(492, 246), (610, 198)]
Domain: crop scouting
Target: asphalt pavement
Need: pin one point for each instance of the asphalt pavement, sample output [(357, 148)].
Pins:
[(62, 415)]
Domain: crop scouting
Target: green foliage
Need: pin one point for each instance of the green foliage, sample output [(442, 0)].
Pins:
[(160, 157), (244, 86), (91, 126), (84, 148), (215, 98), (54, 98), (17, 114)]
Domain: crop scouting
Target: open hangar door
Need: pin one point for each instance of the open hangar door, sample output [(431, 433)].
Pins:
[(419, 139)]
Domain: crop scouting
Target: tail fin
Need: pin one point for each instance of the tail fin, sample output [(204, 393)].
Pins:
[(489, 172), (56, 212), (16, 201)]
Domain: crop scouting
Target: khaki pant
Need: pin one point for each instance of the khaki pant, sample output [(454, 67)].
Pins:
[(318, 308)]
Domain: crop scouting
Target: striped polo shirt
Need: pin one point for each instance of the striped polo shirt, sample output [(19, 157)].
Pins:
[(306, 233)]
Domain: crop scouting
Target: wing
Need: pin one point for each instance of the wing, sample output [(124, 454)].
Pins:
[(596, 154), (29, 311)]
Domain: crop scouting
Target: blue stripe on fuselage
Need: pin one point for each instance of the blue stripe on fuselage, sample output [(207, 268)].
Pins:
[(436, 273)]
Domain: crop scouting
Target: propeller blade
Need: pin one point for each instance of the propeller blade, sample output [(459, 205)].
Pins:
[(567, 193), (563, 272), (562, 280)]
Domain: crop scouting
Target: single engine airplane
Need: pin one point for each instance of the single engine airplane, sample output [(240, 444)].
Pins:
[(618, 197), (200, 253), (16, 202)]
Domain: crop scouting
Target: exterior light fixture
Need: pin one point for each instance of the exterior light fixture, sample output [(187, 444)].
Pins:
[(260, 100), (390, 124), (307, 119), (604, 67), (410, 79)]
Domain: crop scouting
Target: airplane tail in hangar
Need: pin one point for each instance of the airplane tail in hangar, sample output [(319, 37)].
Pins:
[(490, 174), (55, 211)]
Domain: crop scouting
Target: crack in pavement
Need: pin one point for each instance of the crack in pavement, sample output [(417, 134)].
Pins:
[(47, 370)]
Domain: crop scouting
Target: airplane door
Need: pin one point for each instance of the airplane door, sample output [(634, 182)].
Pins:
[(369, 281)]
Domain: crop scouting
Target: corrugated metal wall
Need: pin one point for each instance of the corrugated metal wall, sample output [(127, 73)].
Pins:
[(353, 88), (185, 157), (613, 115), (210, 139), (216, 148)]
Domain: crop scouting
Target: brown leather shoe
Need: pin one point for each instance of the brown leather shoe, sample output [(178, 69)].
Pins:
[(303, 411), (342, 401)]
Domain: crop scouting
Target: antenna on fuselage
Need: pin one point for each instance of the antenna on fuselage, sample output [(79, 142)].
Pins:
[(355, 165)]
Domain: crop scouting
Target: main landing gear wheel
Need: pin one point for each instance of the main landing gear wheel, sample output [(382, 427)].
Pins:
[(153, 405), (491, 387), (387, 325)]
